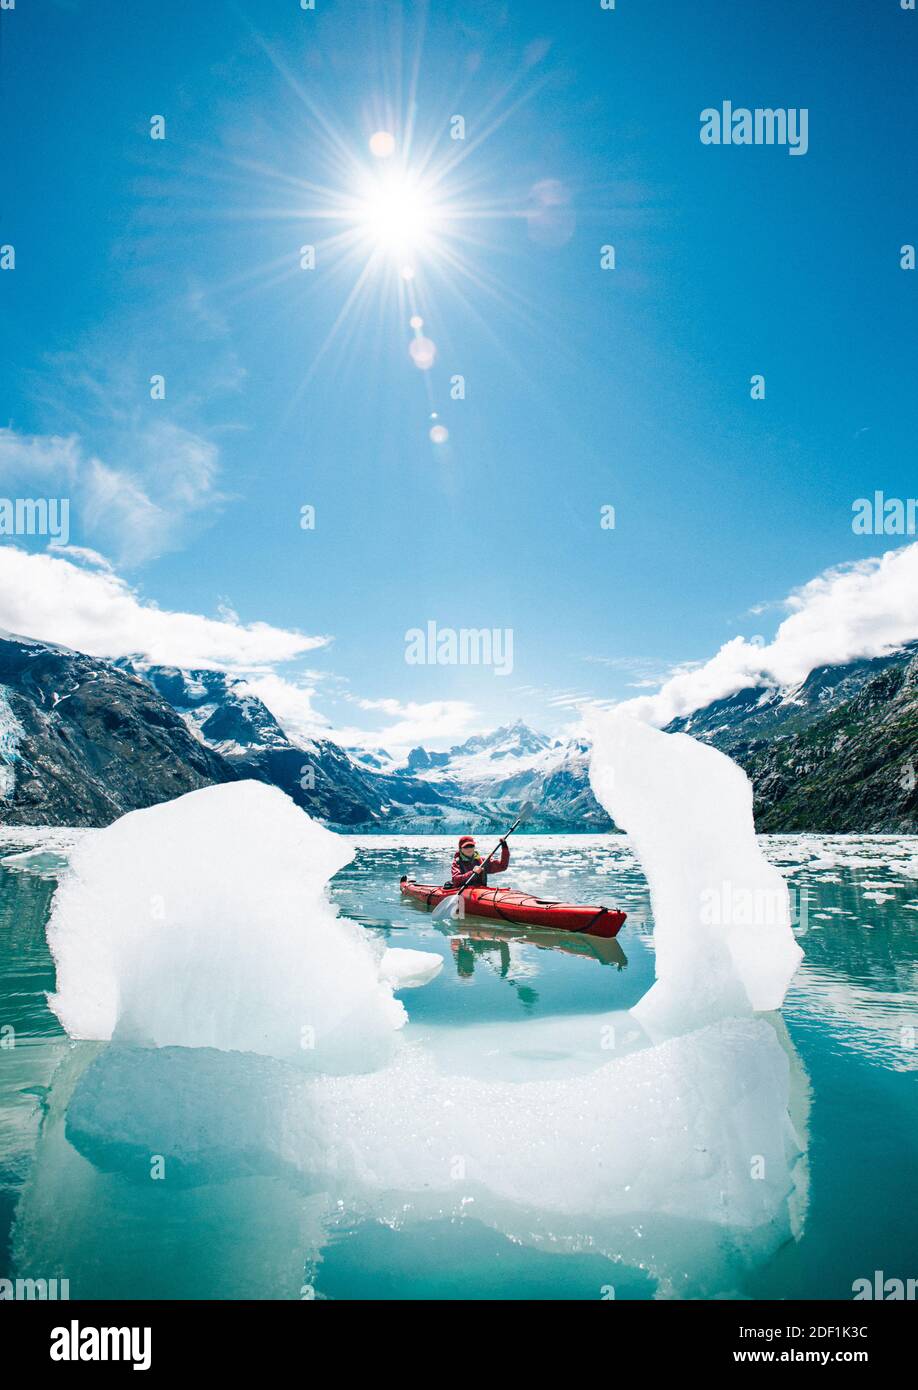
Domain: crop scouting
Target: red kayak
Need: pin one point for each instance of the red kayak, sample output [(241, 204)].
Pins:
[(520, 909)]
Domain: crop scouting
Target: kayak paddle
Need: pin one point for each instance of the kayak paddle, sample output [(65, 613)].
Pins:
[(451, 907)]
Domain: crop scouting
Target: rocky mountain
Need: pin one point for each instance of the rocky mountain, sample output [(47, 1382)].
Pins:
[(82, 741), (477, 785), (855, 768), (838, 752)]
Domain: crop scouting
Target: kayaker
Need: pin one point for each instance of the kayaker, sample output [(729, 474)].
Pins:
[(467, 868)]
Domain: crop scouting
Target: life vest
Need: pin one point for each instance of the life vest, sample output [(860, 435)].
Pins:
[(464, 867)]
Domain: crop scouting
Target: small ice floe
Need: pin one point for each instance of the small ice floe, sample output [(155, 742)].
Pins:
[(403, 969)]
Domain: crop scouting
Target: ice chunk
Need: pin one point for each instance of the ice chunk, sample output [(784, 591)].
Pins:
[(723, 938), (204, 922), (404, 969)]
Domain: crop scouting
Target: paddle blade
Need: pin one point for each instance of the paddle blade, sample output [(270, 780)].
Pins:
[(450, 909)]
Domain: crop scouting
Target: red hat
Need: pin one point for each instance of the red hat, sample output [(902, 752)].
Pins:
[(466, 840)]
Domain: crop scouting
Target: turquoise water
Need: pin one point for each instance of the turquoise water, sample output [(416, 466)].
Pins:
[(506, 1005)]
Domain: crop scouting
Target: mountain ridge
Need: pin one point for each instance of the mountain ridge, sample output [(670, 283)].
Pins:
[(83, 739)]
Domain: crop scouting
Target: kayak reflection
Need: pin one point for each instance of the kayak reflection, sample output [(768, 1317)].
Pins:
[(494, 942)]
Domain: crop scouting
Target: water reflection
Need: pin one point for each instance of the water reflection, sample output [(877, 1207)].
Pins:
[(495, 944)]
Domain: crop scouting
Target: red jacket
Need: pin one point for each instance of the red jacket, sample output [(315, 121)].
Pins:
[(462, 868)]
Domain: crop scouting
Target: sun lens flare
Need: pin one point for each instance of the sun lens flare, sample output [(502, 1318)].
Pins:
[(382, 144)]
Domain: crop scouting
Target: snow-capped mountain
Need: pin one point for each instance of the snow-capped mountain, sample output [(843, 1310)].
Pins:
[(767, 711), (477, 785), (513, 747), (497, 772), (373, 759), (216, 708)]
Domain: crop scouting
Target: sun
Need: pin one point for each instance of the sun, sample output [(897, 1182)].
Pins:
[(392, 209), (396, 213)]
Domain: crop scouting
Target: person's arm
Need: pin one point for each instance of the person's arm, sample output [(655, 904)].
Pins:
[(497, 866)]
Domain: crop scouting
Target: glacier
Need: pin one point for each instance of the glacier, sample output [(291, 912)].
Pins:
[(11, 735)]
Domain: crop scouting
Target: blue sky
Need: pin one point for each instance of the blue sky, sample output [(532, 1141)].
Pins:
[(583, 387)]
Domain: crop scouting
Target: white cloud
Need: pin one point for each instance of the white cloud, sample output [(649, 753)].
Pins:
[(434, 723), (569, 699), (166, 476), (94, 611), (138, 511), (863, 609), (82, 555), (73, 597)]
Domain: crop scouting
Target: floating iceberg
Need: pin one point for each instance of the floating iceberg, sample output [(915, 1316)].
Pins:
[(201, 929), (682, 1159), (200, 1114)]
